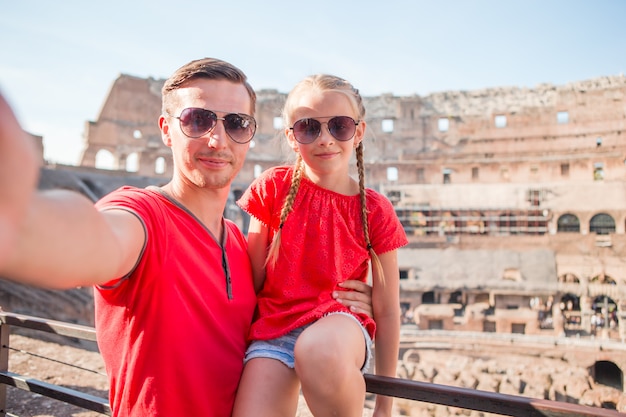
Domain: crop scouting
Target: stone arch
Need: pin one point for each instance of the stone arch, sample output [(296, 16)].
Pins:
[(160, 165), (132, 162), (602, 224), (569, 278), (603, 279), (604, 310), (258, 170), (456, 297), (568, 223), (570, 302), (608, 373), (569, 306), (429, 297), (105, 159)]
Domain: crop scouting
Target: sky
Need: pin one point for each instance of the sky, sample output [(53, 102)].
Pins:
[(58, 60)]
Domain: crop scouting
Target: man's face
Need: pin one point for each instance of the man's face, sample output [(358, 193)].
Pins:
[(214, 159)]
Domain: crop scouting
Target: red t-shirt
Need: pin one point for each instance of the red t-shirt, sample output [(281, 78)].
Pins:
[(322, 244), (172, 340)]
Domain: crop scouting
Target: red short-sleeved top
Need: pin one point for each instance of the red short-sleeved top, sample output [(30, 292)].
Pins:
[(322, 244), (173, 333)]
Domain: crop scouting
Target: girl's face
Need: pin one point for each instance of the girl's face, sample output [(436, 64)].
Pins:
[(325, 155)]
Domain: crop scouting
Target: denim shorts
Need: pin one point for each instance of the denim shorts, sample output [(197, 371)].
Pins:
[(282, 347)]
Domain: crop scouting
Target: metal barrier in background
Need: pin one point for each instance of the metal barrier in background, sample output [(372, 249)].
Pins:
[(465, 398)]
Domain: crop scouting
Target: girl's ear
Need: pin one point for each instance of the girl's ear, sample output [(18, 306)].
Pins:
[(293, 143), (360, 133)]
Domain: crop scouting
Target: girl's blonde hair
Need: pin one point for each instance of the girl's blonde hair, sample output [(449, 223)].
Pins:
[(324, 83)]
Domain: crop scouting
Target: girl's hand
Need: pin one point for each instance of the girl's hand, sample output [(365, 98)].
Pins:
[(357, 297)]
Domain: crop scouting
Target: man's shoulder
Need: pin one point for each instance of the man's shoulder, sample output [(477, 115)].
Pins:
[(129, 197)]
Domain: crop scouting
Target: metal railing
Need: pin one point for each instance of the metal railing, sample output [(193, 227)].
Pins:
[(464, 398)]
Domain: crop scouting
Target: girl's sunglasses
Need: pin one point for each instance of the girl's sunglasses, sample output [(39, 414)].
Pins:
[(341, 128), (196, 122)]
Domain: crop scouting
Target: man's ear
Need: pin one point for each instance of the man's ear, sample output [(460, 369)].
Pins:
[(165, 131)]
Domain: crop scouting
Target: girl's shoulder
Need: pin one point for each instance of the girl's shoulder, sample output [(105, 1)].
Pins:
[(376, 200), (275, 178), (278, 171)]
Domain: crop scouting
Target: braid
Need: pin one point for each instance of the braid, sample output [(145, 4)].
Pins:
[(274, 248), (376, 265)]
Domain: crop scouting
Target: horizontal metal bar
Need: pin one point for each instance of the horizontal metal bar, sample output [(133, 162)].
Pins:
[(67, 395), (50, 326), (472, 399)]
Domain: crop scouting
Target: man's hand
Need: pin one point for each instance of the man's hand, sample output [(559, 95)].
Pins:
[(359, 300), (19, 171)]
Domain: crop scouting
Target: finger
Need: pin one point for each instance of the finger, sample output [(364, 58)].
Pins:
[(357, 286), (351, 297), (355, 305)]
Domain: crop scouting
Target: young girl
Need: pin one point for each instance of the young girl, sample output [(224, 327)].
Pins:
[(312, 228)]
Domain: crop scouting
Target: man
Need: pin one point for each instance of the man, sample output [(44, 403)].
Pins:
[(173, 287)]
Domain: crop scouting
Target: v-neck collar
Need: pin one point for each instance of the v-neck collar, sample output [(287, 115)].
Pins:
[(220, 242)]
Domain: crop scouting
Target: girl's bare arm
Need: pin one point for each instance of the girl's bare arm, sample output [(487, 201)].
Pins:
[(386, 301)]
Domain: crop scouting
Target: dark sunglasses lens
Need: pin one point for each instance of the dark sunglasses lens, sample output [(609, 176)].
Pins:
[(342, 127), (240, 127), (306, 130), (197, 122)]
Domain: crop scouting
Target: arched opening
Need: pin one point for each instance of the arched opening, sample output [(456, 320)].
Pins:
[(159, 165), (406, 313), (603, 279), (105, 160), (568, 223), (132, 162), (569, 278), (428, 297), (570, 308), (456, 297), (602, 224), (609, 405), (609, 374), (258, 170), (604, 313)]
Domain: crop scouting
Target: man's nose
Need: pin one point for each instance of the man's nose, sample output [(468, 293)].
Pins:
[(218, 136)]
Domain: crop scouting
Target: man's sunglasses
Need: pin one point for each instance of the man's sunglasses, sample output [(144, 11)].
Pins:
[(196, 122), (341, 128)]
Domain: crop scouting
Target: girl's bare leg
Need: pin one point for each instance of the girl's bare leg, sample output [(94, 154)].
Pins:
[(268, 388), (329, 355)]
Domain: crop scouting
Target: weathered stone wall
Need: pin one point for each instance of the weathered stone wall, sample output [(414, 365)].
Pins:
[(128, 124), (532, 147)]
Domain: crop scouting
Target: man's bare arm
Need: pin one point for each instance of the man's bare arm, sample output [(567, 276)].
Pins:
[(55, 239)]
